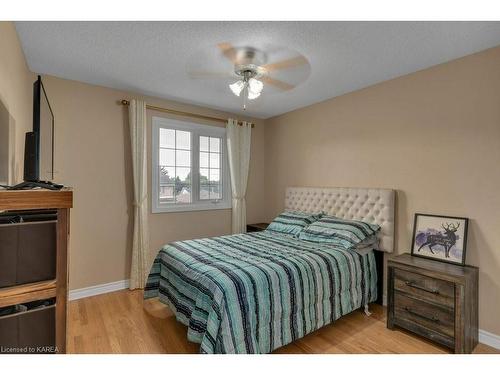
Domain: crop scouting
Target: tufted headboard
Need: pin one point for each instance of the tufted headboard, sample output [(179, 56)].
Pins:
[(366, 204)]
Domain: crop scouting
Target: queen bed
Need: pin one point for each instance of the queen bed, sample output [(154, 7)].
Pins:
[(253, 293)]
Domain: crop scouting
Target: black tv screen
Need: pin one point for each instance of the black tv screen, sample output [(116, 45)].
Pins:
[(39, 145)]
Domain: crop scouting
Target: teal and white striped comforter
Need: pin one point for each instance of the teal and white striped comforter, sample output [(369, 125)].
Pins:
[(252, 293)]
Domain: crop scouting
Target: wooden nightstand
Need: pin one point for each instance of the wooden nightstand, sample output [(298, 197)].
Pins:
[(256, 227), (436, 300)]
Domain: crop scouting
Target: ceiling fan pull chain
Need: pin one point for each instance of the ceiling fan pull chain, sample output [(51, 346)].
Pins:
[(245, 95)]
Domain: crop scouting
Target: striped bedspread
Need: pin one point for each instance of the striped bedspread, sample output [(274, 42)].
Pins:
[(252, 293)]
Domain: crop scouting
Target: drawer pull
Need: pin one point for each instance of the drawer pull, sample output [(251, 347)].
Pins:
[(416, 286), (431, 318)]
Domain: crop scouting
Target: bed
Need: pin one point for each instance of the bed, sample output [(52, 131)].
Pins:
[(253, 293)]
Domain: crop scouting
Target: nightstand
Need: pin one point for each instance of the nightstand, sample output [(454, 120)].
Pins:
[(256, 227), (436, 300)]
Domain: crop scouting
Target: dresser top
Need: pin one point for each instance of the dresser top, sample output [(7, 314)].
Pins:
[(434, 266), (35, 199)]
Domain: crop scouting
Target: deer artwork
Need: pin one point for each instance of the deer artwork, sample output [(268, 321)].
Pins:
[(446, 240)]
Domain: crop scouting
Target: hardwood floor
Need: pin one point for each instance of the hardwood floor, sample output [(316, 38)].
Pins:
[(122, 322)]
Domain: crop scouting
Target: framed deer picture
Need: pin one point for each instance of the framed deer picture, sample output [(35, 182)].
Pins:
[(442, 238)]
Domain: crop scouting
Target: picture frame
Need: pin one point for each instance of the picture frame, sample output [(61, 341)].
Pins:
[(440, 238)]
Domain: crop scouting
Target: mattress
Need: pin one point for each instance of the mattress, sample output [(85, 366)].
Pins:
[(253, 293)]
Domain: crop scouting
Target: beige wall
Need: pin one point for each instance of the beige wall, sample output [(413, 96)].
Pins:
[(433, 135), (16, 93), (93, 156)]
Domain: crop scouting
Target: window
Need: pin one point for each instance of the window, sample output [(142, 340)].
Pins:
[(189, 167)]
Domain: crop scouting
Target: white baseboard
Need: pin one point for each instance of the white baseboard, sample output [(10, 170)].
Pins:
[(489, 338), (98, 289)]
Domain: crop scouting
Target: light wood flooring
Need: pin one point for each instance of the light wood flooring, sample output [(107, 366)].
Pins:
[(121, 322)]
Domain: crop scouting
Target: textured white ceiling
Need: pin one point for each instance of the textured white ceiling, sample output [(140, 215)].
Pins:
[(153, 57)]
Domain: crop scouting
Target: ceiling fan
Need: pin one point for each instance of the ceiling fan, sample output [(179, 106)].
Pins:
[(253, 70)]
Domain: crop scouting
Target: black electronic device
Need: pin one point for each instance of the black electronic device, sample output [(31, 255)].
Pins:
[(39, 145)]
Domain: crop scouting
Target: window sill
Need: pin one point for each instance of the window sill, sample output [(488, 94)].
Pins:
[(191, 207)]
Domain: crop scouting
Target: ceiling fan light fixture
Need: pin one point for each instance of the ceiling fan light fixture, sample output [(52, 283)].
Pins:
[(253, 95), (237, 87), (248, 87), (256, 86)]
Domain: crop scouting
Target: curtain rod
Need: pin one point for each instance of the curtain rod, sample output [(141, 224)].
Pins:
[(182, 113)]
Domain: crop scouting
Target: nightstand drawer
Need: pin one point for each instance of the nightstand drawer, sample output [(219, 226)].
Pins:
[(425, 288), (428, 316), (427, 333)]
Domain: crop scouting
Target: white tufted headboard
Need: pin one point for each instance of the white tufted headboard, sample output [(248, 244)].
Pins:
[(366, 204)]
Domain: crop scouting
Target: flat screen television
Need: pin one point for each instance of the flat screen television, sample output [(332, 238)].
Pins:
[(39, 144)]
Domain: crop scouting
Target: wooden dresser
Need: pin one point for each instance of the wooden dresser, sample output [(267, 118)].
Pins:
[(36, 322), (436, 300)]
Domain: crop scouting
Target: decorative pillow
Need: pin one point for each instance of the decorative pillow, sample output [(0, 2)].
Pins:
[(292, 222), (344, 232)]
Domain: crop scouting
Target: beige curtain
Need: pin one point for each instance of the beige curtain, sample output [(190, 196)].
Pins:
[(140, 245), (238, 150)]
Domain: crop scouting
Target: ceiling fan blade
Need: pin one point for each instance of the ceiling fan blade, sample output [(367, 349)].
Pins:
[(203, 74), (286, 64), (277, 83), (228, 51)]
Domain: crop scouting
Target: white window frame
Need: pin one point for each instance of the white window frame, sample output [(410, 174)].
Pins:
[(196, 130)]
